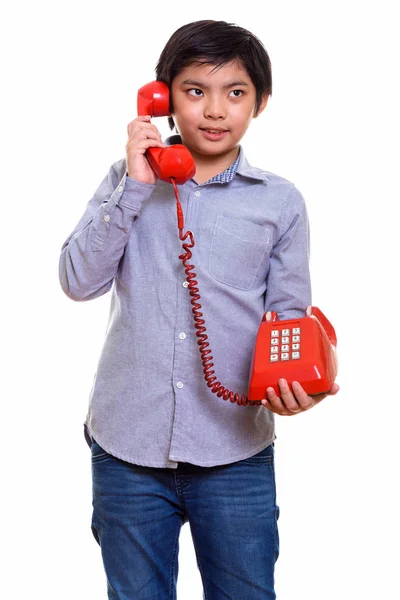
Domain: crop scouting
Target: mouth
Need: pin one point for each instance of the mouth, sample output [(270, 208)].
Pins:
[(214, 133), (213, 129)]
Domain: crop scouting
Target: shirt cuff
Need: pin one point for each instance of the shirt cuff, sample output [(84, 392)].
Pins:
[(132, 193)]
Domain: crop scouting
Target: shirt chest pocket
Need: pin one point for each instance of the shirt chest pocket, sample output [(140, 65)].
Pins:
[(237, 251)]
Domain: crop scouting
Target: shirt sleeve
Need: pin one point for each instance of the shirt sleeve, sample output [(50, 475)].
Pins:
[(90, 256), (288, 282)]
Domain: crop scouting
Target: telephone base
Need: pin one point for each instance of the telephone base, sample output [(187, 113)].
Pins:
[(300, 350)]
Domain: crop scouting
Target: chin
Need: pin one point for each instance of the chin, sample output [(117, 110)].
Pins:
[(214, 148)]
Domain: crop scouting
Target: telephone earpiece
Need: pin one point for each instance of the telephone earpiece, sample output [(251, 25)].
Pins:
[(153, 99), (174, 162)]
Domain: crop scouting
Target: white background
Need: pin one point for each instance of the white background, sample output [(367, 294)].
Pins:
[(70, 75)]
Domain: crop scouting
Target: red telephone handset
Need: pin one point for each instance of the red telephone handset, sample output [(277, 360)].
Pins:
[(174, 162), (300, 350)]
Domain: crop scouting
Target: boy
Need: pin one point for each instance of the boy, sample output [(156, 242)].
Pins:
[(165, 449)]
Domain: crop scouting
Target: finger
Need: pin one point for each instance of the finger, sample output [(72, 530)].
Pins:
[(332, 392), (288, 398), (143, 119), (275, 403), (136, 125), (138, 136), (265, 402), (144, 132), (304, 400), (141, 138), (143, 145)]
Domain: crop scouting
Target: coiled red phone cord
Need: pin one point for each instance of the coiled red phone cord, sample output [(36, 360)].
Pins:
[(199, 323)]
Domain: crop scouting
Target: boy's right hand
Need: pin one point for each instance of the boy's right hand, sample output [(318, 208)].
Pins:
[(141, 135)]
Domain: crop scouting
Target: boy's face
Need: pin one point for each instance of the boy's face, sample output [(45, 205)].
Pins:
[(212, 108)]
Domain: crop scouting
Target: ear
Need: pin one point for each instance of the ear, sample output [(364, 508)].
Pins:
[(263, 104)]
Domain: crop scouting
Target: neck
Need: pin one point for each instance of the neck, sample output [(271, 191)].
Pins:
[(209, 166)]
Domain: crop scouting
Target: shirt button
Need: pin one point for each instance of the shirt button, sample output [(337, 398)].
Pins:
[(179, 385), (197, 194), (121, 188), (185, 283), (182, 335), (107, 218)]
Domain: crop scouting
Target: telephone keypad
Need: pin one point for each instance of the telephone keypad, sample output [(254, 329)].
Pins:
[(285, 344)]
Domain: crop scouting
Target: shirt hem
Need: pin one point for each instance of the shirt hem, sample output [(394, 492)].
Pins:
[(89, 436), (223, 461), (172, 462)]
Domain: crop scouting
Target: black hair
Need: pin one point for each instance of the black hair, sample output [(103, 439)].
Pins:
[(216, 43)]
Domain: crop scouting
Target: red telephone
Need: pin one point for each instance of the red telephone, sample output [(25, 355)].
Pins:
[(297, 349), (300, 350), (175, 161)]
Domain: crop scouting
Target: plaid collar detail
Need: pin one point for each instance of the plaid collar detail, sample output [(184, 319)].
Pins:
[(227, 175), (241, 167)]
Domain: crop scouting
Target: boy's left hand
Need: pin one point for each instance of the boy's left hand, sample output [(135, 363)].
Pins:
[(291, 403)]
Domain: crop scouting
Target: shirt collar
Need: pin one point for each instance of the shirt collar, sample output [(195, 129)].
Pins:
[(243, 167)]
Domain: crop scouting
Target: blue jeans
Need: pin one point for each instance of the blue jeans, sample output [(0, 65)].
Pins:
[(231, 509)]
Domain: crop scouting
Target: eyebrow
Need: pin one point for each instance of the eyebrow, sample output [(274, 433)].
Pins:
[(204, 85)]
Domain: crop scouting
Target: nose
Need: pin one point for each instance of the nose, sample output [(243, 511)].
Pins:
[(214, 108)]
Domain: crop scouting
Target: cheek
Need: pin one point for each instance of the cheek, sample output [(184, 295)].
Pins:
[(187, 116), (245, 120)]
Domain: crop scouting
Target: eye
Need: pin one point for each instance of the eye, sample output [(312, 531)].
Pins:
[(195, 92), (236, 93)]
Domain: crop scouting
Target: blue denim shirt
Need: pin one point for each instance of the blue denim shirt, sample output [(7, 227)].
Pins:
[(150, 404)]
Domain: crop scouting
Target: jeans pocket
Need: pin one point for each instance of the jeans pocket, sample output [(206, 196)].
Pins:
[(98, 453), (264, 456)]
